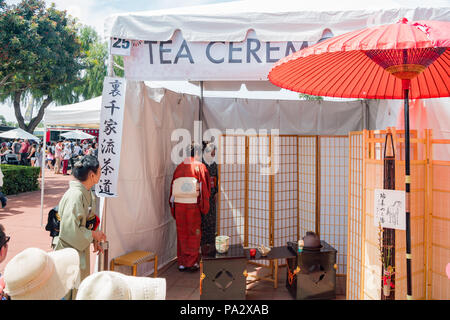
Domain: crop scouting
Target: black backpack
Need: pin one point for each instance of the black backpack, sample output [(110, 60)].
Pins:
[(53, 222)]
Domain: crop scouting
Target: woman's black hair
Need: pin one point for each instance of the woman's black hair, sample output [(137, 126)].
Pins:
[(81, 168), (194, 149), (2, 236)]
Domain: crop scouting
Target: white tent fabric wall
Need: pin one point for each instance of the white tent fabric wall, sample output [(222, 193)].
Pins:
[(289, 117), (139, 218)]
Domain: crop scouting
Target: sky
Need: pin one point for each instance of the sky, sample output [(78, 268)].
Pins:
[(94, 12)]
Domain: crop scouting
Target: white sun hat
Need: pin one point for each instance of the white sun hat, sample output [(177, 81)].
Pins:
[(110, 285), (34, 274)]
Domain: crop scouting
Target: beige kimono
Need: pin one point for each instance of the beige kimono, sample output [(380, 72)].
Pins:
[(75, 207)]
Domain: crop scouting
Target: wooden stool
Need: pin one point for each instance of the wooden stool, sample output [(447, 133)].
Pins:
[(133, 259)]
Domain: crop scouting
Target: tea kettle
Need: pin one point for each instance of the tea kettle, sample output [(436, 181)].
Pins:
[(311, 241)]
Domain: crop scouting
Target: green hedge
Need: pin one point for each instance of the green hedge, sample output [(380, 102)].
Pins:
[(19, 179)]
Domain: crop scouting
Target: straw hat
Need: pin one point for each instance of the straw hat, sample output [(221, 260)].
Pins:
[(34, 274), (110, 285)]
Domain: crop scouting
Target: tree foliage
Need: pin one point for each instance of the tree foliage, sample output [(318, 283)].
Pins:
[(40, 56), (94, 55)]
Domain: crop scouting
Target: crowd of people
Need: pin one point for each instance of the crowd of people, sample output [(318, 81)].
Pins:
[(58, 155), (26, 152), (62, 153)]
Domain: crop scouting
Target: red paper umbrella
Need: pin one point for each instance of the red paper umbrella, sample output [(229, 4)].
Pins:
[(354, 64), (396, 61)]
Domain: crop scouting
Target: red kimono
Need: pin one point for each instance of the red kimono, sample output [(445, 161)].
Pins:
[(188, 215)]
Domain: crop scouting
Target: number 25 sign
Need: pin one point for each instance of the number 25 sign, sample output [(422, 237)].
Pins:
[(120, 47)]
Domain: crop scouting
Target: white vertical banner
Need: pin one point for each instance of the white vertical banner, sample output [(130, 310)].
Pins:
[(110, 135)]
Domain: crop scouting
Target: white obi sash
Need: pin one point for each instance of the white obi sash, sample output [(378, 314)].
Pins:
[(185, 190)]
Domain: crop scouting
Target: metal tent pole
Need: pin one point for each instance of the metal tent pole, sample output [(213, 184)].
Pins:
[(200, 112), (43, 174)]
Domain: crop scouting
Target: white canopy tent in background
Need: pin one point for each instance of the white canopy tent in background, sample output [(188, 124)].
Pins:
[(85, 114), (77, 135), (18, 133), (139, 218)]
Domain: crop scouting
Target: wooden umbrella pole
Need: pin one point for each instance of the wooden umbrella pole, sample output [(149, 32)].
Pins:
[(408, 198)]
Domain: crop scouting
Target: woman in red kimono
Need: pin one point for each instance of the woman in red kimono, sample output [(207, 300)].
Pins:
[(189, 198)]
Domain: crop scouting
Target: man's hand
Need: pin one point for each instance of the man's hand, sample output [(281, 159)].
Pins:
[(98, 236)]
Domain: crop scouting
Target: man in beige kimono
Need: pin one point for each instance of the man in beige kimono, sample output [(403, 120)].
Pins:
[(75, 208)]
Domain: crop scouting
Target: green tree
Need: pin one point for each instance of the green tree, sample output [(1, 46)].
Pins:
[(2, 120), (95, 55), (40, 56)]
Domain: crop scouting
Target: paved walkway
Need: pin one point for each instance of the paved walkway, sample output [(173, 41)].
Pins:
[(22, 216)]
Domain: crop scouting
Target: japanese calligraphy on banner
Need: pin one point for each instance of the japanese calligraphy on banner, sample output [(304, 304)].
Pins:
[(178, 59), (389, 209), (110, 135)]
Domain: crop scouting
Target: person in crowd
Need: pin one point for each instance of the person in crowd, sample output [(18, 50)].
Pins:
[(50, 158), (17, 145), (4, 150), (34, 274), (24, 152), (75, 154), (4, 239), (189, 198), (89, 150), (3, 199), (110, 285), (85, 146), (52, 150), (95, 150), (58, 154), (209, 220), (76, 150), (38, 154), (32, 155), (66, 155), (74, 209)]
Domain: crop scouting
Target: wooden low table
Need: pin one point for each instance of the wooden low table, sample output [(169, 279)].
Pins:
[(222, 274), (274, 255)]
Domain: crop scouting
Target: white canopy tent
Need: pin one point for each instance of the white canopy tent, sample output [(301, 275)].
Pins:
[(139, 218), (85, 114), (18, 133), (77, 135)]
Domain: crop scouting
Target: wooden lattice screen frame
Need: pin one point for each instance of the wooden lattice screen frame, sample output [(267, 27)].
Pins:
[(430, 220), (289, 203)]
